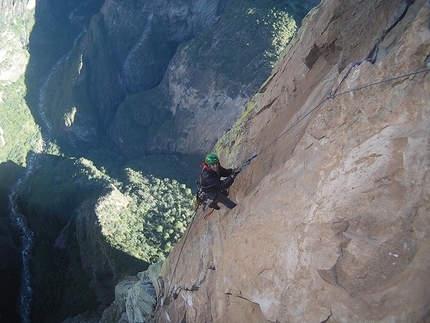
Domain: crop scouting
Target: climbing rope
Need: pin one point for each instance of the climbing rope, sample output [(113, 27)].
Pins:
[(195, 216), (383, 81), (351, 66), (333, 94), (183, 243)]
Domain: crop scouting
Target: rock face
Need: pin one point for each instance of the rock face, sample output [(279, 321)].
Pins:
[(333, 215), (135, 298)]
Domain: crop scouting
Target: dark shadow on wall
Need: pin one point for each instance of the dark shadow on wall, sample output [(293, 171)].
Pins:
[(10, 263), (66, 286), (57, 24), (73, 269)]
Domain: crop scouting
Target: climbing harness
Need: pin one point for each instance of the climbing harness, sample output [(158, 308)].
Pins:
[(201, 196), (201, 199)]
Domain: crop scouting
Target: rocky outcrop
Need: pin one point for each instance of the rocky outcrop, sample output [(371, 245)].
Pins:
[(74, 90), (154, 30), (332, 222), (135, 298), (97, 257)]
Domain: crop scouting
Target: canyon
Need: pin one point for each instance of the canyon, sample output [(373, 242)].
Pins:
[(330, 125)]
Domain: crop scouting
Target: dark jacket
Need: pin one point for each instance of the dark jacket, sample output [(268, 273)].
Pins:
[(211, 182)]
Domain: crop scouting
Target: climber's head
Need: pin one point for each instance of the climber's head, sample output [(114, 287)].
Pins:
[(212, 160)]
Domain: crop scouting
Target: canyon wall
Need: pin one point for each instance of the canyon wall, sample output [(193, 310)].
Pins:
[(166, 77)]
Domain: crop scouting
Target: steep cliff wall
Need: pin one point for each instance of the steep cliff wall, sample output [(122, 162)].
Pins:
[(156, 77), (210, 79), (125, 51), (333, 217)]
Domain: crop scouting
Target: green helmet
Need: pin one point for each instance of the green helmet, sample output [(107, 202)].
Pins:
[(211, 159)]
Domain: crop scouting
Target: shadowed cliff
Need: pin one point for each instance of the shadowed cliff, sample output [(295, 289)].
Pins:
[(141, 78)]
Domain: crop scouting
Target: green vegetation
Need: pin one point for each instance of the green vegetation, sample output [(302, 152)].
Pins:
[(156, 215), (60, 285), (70, 181), (18, 131), (126, 221), (279, 22), (254, 34), (234, 137), (139, 119), (145, 218), (184, 169)]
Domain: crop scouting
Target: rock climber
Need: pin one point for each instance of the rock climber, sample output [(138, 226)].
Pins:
[(215, 188)]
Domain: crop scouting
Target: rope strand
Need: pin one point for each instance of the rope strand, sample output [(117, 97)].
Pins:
[(381, 82), (332, 95)]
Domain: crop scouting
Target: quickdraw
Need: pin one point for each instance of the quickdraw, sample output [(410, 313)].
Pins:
[(246, 163)]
